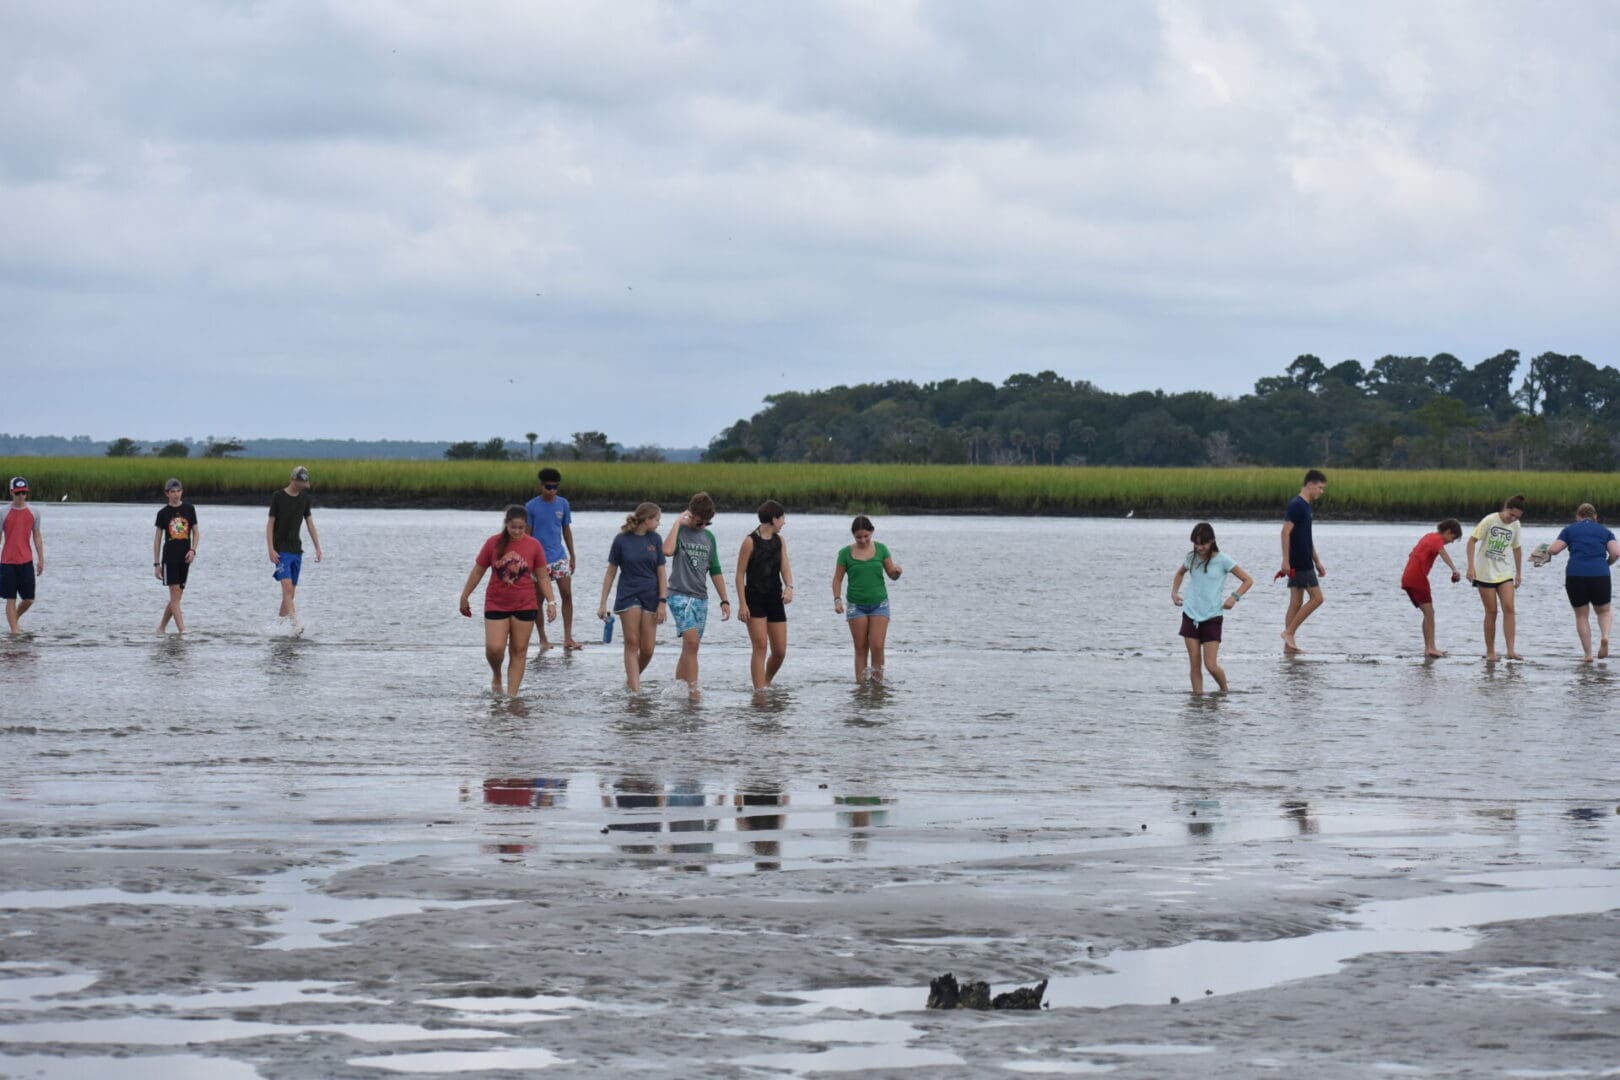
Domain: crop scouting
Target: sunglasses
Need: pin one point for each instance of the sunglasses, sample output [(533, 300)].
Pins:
[(551, 487)]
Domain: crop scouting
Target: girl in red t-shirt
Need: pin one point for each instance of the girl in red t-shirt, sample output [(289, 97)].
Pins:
[(512, 601)]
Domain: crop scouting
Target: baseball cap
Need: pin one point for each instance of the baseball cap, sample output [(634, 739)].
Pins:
[(173, 484), (301, 473), (19, 483)]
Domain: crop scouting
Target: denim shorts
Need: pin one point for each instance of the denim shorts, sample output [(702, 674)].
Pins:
[(1303, 579), (862, 611), (691, 613), (287, 567)]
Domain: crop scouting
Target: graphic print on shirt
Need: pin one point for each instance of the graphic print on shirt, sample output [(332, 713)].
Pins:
[(179, 527), (1498, 542), (512, 569)]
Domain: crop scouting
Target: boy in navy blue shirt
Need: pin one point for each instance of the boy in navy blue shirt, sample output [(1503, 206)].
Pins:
[(1301, 565)]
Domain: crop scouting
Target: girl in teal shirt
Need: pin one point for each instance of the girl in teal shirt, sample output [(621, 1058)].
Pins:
[(866, 564)]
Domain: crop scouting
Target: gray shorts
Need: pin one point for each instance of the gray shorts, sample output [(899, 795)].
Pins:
[(1304, 579)]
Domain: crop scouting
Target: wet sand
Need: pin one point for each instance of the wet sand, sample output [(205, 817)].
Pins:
[(238, 856)]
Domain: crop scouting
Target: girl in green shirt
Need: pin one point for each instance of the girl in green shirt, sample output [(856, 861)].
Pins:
[(866, 564)]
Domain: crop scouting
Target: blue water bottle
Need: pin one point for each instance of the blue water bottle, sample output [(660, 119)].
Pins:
[(607, 630)]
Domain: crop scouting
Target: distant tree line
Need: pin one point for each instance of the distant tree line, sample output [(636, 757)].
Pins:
[(1402, 412), (583, 446)]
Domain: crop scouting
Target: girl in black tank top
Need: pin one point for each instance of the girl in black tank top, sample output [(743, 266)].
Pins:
[(765, 566), (765, 583)]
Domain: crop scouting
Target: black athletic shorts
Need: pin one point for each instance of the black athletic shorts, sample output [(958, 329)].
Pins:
[(520, 616), (767, 606), (175, 572), (1582, 590), (17, 581)]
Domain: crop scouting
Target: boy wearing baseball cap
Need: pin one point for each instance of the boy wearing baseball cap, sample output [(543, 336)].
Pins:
[(22, 553), (289, 512)]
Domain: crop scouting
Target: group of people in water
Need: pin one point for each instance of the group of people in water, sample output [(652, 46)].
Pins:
[(532, 560), (1495, 567)]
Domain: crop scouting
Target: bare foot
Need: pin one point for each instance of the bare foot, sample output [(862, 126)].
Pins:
[(1587, 659), (495, 686), (571, 645), (1288, 643), (1436, 653), (1513, 655), (1490, 658), (1603, 649), (544, 645)]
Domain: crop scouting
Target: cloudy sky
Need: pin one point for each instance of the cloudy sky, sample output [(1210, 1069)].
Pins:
[(417, 219)]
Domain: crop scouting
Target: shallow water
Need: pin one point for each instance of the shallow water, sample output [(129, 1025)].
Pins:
[(1035, 709)]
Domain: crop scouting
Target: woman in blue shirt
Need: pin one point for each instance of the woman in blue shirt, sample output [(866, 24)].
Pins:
[(1203, 612), (1592, 550)]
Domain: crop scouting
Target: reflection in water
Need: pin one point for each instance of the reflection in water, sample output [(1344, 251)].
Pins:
[(283, 658), (1300, 811)]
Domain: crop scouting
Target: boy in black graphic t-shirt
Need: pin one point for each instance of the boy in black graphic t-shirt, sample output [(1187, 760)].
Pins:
[(174, 546), (289, 512)]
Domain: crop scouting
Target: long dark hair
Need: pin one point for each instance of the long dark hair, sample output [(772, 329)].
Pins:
[(513, 512), (1204, 533)]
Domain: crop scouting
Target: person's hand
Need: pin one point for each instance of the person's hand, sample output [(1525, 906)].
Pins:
[(1283, 573), (275, 560), (1231, 602), (725, 610), (191, 553), (570, 564), (685, 519), (742, 611), (601, 612), (1321, 571), (551, 611), (1518, 580), (39, 566), (787, 594), (157, 572), (838, 605), (317, 553), (1455, 577), (1175, 598), (1469, 573), (466, 607), (663, 613)]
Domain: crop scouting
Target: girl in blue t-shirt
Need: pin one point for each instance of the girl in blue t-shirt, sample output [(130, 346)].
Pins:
[(1202, 611), (1592, 550), (637, 559)]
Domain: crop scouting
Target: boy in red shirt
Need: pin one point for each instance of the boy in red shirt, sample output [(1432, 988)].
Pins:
[(22, 553), (1415, 580)]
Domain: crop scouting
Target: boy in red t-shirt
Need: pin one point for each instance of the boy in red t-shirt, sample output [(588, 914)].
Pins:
[(1415, 580), (22, 553)]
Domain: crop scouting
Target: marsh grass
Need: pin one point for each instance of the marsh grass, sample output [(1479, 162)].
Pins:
[(1242, 492)]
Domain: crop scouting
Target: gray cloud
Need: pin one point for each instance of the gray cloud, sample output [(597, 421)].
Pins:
[(424, 219)]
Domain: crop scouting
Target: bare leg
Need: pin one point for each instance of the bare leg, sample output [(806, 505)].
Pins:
[(175, 593), (777, 632), (759, 643), (518, 653), (1429, 647), (649, 637), (11, 615), (288, 608), (1509, 619), (1195, 669), (1488, 598), (857, 633), (1583, 630), (631, 631), (686, 668), (565, 586), (1212, 652), (1306, 607), (495, 650), (1605, 616), (876, 634)]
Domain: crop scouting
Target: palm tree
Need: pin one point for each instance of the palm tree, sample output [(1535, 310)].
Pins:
[(1053, 442), (531, 436)]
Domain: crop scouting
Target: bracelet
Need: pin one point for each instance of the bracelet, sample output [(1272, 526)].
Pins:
[(725, 603), (157, 564), (1236, 597)]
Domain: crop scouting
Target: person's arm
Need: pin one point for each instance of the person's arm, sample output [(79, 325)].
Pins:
[(1175, 585), (157, 553), (1614, 551), (607, 586), (1472, 542), (1287, 532), (838, 587), (1446, 555), (674, 535), (196, 541), (743, 553), (717, 574), (787, 576), (663, 593), (315, 537), (1245, 583), (544, 601), (568, 542), (1555, 548), (270, 536), (474, 576), (39, 548), (1518, 565), (1321, 571), (891, 568)]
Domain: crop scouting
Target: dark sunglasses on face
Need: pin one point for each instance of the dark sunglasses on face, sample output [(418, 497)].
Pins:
[(550, 487)]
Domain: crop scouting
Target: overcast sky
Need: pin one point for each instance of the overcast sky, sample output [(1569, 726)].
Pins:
[(455, 220)]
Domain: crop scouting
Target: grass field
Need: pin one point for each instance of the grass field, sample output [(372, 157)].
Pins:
[(1241, 492)]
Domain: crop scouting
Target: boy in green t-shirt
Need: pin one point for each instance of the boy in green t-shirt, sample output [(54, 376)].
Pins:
[(694, 561)]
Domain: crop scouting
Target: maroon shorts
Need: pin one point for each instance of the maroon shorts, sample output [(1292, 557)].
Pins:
[(1206, 631), (1420, 594)]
